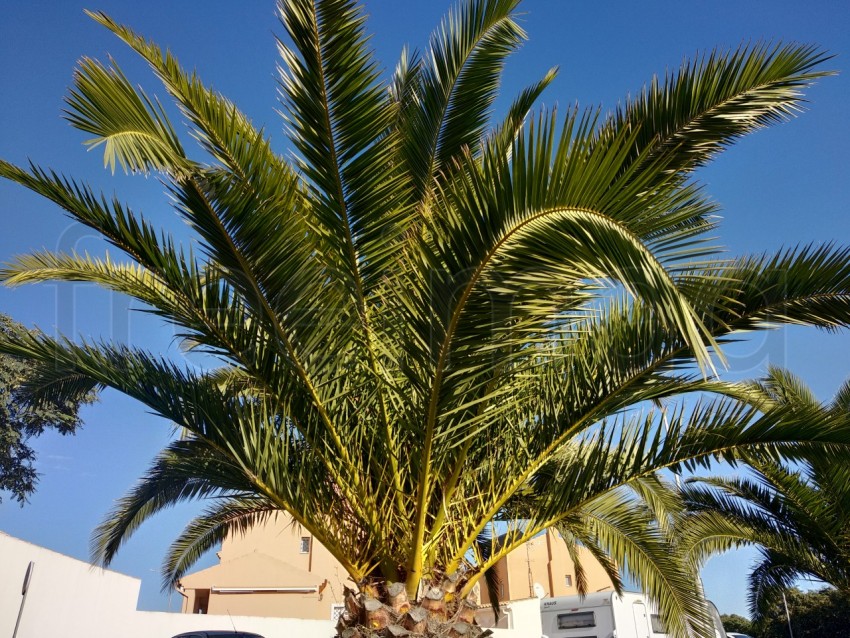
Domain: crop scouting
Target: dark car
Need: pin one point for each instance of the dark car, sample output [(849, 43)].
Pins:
[(217, 633)]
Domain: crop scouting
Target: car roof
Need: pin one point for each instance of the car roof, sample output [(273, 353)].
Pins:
[(218, 633)]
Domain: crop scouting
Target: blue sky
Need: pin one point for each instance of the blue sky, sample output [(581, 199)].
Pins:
[(784, 186)]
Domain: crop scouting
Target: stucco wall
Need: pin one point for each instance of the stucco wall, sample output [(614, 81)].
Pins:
[(270, 556), (545, 560), (551, 565), (285, 605), (280, 537), (150, 624), (66, 597), (525, 616), (517, 618)]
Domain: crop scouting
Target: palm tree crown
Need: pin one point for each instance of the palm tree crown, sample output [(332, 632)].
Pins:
[(798, 516), (425, 316)]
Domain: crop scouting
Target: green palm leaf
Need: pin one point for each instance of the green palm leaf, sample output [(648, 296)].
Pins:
[(134, 130), (797, 517)]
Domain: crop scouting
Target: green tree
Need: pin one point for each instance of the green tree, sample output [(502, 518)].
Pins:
[(22, 418), (736, 623), (814, 614), (424, 317), (799, 516)]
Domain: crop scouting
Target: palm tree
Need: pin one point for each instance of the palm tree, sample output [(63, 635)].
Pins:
[(422, 316), (798, 517)]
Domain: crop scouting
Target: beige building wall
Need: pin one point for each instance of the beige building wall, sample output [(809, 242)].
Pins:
[(275, 569), (545, 560)]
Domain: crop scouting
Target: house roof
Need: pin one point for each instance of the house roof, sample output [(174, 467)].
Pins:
[(252, 570)]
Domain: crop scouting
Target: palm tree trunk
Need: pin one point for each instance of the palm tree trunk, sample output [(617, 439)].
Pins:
[(384, 609)]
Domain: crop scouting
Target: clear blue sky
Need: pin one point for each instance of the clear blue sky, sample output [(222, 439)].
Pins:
[(787, 185)]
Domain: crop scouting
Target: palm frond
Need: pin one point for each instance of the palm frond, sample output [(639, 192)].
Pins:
[(339, 112), (172, 478), (797, 516), (505, 133), (223, 130), (630, 537), (457, 87), (226, 519), (133, 129), (710, 102)]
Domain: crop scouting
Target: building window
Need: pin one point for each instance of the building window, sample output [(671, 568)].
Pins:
[(305, 544), (568, 580), (577, 620), (337, 610), (658, 626)]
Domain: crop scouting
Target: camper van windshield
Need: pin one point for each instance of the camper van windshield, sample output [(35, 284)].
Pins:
[(576, 620)]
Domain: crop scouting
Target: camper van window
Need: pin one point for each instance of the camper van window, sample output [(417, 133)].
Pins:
[(576, 620), (658, 626)]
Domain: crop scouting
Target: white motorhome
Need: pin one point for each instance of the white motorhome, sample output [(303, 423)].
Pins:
[(607, 615)]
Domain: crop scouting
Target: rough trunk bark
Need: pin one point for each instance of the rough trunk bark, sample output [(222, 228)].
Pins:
[(383, 610)]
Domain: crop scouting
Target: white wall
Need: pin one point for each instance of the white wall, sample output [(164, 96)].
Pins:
[(66, 597), (520, 618), (155, 624), (525, 619), (73, 599)]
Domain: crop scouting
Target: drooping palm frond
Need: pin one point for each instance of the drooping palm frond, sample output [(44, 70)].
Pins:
[(186, 470), (792, 543), (627, 533), (226, 519), (482, 551), (797, 517)]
